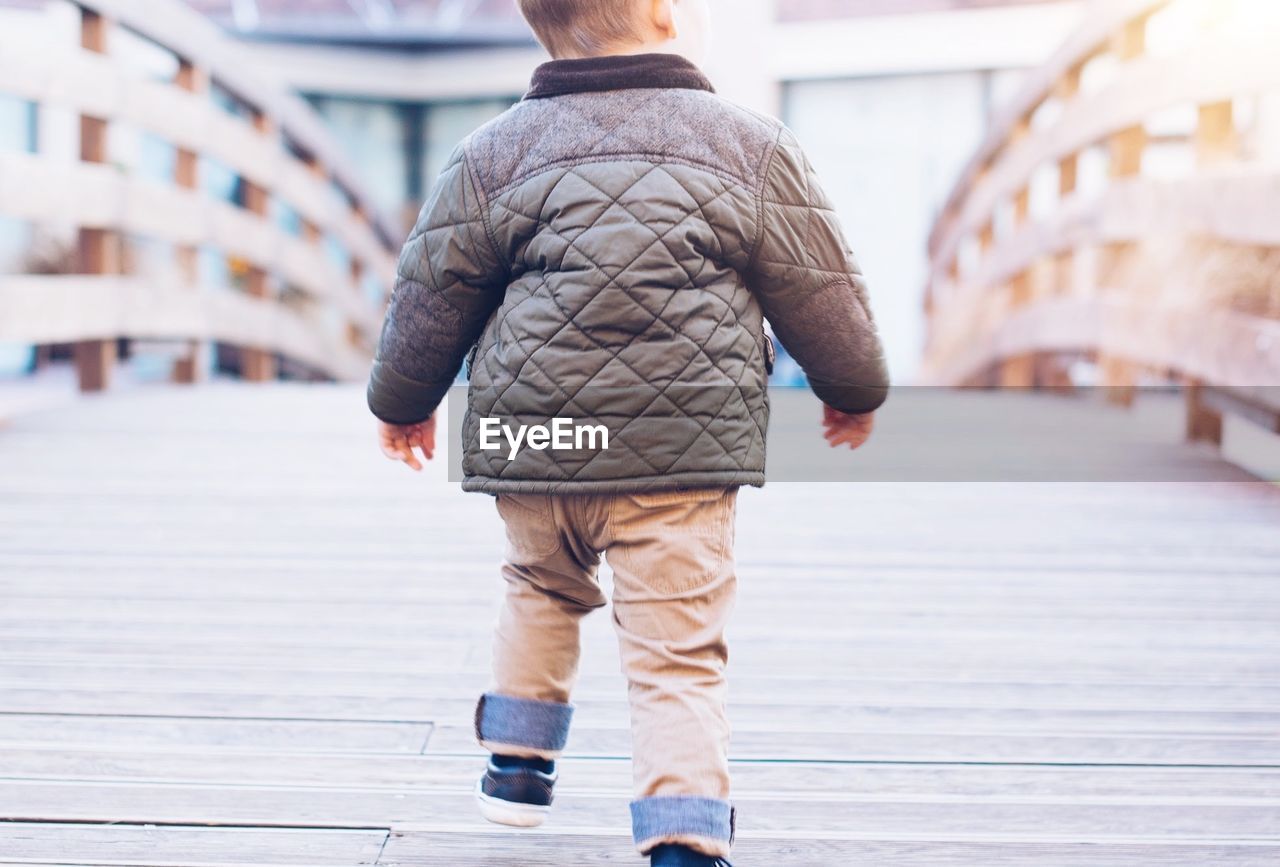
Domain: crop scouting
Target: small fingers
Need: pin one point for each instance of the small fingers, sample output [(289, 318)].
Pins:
[(426, 442), (411, 459), (853, 439), (392, 450), (401, 449)]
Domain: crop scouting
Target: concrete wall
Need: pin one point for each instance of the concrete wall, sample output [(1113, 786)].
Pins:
[(888, 158)]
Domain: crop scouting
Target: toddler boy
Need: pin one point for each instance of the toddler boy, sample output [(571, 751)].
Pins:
[(606, 253)]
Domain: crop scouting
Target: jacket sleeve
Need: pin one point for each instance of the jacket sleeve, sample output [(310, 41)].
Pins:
[(449, 282), (811, 289)]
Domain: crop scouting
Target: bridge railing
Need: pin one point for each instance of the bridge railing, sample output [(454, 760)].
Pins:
[(1123, 211), (243, 183)]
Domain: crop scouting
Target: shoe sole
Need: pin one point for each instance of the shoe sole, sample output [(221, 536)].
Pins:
[(510, 813)]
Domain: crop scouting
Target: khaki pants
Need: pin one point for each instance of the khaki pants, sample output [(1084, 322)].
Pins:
[(674, 586)]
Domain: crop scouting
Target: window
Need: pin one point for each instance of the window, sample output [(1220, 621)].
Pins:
[(18, 125)]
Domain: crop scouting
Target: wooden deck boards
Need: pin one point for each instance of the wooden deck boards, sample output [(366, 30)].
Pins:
[(232, 634)]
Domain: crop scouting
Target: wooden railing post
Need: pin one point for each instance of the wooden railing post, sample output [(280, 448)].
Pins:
[(1127, 146), (1068, 175), (1130, 41), (1068, 87), (1126, 150), (258, 364), (1018, 371), (1204, 425), (310, 231), (1217, 140), (354, 334), (191, 367), (98, 249)]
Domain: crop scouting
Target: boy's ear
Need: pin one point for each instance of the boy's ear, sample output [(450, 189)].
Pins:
[(664, 18)]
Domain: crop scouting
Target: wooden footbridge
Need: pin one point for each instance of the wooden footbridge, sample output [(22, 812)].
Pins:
[(232, 634)]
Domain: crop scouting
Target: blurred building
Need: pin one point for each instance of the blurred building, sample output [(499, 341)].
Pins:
[(890, 96)]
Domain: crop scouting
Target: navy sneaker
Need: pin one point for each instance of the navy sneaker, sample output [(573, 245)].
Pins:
[(670, 855), (516, 791)]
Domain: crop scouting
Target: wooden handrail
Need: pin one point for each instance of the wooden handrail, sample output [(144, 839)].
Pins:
[(201, 43), (1102, 21), (1017, 292), (1214, 73), (276, 146)]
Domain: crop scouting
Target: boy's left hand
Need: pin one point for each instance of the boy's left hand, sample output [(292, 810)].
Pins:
[(399, 441)]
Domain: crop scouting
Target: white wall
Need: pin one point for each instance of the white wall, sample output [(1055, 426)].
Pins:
[(888, 150), (744, 39), (994, 38)]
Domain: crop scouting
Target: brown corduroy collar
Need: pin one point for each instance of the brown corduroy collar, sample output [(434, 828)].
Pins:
[(615, 72)]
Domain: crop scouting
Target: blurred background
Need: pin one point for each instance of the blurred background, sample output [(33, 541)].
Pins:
[(1042, 193)]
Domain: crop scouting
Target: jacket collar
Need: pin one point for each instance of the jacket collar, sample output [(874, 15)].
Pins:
[(615, 72)]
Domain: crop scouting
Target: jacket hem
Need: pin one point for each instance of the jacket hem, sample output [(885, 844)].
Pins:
[(633, 485)]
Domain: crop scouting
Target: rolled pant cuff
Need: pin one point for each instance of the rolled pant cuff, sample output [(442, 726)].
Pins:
[(522, 726), (703, 824)]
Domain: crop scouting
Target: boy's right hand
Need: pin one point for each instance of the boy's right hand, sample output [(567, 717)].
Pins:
[(840, 429), (398, 441)]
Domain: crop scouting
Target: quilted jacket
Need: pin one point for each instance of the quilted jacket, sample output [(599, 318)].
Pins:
[(607, 252)]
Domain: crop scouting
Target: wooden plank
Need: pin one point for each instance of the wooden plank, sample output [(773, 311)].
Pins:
[(1048, 664), (157, 577), (1044, 676), (762, 667), (1088, 818), (866, 610), (750, 687), (244, 766), (148, 731), (184, 847), (1011, 624), (794, 710), (454, 738), (445, 848), (1086, 692)]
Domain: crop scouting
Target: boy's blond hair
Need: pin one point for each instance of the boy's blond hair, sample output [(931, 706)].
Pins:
[(581, 28)]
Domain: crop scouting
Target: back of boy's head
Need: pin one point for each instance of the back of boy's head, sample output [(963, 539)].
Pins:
[(583, 28)]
